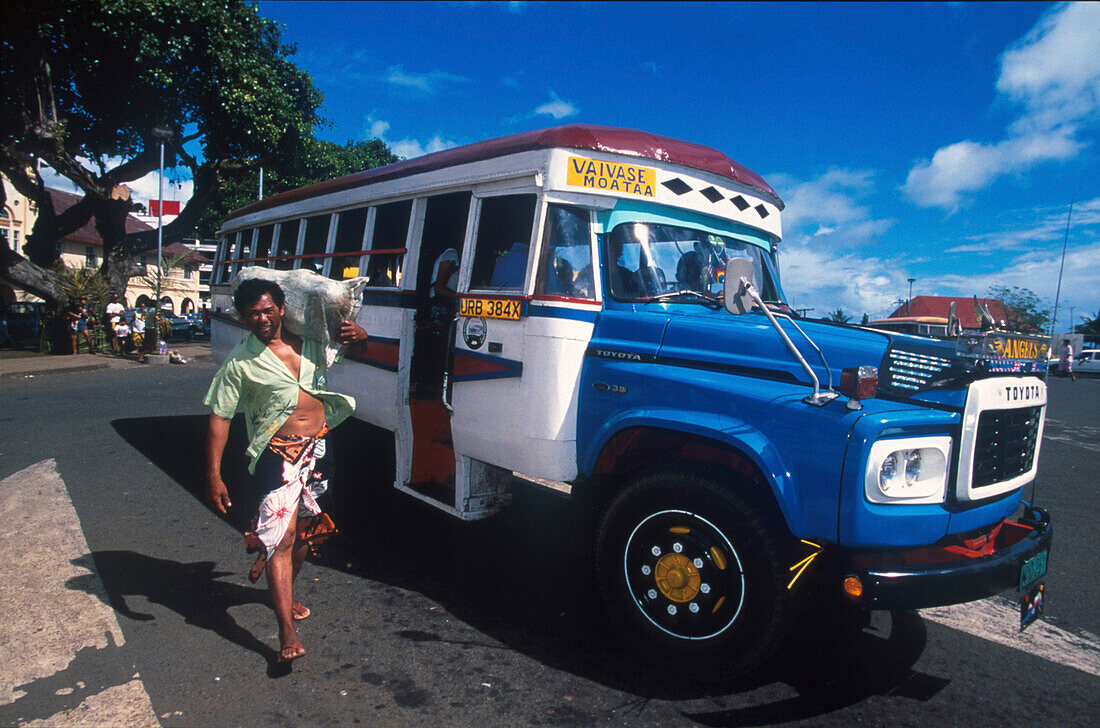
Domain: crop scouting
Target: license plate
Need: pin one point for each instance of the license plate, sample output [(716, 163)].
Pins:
[(498, 308), (1033, 569), (1031, 605)]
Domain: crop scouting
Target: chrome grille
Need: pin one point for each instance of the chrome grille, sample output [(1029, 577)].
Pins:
[(1005, 444), (911, 371)]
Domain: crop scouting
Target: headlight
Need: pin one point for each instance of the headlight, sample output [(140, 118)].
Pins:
[(911, 470)]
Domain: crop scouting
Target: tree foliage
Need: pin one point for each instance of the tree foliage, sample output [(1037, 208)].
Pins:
[(89, 79), (313, 161), (1023, 308), (839, 316), (1089, 326)]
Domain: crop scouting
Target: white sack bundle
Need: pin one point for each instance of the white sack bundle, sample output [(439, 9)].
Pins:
[(315, 306)]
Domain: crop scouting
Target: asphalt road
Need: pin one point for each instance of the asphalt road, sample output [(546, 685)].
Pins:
[(141, 604)]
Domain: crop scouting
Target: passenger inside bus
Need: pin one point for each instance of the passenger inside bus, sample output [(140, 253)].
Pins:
[(510, 269), (443, 286)]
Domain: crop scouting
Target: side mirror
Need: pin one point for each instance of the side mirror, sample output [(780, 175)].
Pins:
[(736, 296)]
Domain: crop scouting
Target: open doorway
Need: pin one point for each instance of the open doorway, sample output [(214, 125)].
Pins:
[(433, 460)]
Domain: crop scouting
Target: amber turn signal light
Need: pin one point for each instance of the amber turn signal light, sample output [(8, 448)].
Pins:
[(858, 383)]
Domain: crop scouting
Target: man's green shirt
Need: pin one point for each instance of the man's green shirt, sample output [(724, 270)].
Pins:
[(253, 377)]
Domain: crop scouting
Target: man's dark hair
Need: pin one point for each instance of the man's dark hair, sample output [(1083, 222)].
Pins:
[(249, 291)]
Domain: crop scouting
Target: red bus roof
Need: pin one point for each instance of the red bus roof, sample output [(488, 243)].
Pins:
[(572, 136)]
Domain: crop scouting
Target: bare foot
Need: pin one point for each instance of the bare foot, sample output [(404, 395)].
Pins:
[(291, 652), (299, 611)]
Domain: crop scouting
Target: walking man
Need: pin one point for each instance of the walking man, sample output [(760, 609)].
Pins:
[(279, 380), (1065, 361)]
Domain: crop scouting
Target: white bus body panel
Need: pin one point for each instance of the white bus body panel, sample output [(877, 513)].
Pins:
[(526, 423)]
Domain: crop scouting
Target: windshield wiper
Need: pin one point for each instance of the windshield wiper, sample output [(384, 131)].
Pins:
[(709, 298)]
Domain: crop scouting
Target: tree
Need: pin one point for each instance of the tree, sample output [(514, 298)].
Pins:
[(89, 79), (1089, 326), (838, 316), (314, 160), (865, 320), (1022, 307)]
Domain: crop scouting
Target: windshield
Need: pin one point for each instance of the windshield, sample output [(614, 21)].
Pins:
[(647, 260)]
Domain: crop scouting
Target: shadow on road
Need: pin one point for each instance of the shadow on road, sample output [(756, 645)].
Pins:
[(523, 578), (173, 585)]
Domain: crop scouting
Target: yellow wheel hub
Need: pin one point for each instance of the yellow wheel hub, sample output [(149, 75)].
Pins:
[(677, 578)]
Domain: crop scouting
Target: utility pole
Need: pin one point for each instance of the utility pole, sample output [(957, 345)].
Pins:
[(1058, 292), (910, 299)]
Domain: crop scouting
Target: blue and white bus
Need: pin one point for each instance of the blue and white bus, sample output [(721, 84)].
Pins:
[(621, 330)]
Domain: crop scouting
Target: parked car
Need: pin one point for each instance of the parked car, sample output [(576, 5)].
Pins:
[(25, 322), (180, 327), (201, 323), (1088, 363)]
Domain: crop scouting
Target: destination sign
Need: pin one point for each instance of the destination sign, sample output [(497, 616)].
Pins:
[(1018, 348), (611, 176), (1005, 347)]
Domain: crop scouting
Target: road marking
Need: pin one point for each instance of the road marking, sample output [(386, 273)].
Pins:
[(1084, 436), (994, 620), (58, 642)]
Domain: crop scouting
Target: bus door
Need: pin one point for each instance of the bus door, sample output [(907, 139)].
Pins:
[(425, 454), (524, 321)]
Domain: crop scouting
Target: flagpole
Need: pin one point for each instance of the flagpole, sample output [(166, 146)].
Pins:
[(1058, 293)]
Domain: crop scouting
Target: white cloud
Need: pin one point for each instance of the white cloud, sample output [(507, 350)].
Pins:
[(817, 277), (1053, 72), (1024, 232), (1055, 69), (827, 208), (969, 166), (407, 147), (410, 148), (427, 83), (1037, 271), (556, 108), (825, 226)]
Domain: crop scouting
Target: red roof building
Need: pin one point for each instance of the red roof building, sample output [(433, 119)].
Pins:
[(87, 234), (939, 305)]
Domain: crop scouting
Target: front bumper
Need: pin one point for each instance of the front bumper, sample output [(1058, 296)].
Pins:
[(910, 586)]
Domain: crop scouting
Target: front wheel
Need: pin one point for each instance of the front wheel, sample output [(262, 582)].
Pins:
[(694, 574)]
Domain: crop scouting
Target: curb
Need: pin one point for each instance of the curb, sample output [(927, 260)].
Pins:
[(47, 372)]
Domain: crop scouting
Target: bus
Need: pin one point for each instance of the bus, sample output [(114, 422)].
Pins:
[(934, 326), (621, 334)]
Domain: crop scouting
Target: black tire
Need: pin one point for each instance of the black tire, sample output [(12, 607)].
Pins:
[(694, 574)]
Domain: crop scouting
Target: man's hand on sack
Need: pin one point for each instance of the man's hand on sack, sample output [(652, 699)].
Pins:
[(352, 335)]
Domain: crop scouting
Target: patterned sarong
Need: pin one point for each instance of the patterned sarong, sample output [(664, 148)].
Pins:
[(292, 471)]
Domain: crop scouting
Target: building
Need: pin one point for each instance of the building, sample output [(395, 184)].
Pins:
[(207, 248), (179, 289), (939, 306), (17, 216), (83, 248)]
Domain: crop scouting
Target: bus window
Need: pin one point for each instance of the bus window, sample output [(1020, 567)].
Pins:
[(503, 241), (350, 225), (246, 245), (233, 252), (263, 243), (566, 268), (288, 244), (391, 228), (222, 275), (314, 243)]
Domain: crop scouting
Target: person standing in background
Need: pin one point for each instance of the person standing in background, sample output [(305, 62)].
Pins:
[(1065, 361)]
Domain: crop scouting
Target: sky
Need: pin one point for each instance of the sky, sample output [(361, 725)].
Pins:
[(939, 142)]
